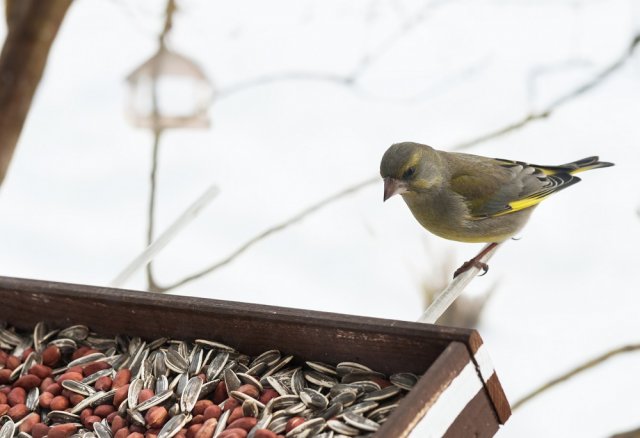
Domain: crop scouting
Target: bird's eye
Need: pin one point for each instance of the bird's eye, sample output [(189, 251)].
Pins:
[(409, 172)]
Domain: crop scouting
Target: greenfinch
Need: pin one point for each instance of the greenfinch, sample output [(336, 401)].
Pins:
[(470, 198)]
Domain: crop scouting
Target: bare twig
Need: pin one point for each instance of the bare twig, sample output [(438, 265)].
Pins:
[(592, 83), (566, 376), (153, 179), (271, 230), (351, 78)]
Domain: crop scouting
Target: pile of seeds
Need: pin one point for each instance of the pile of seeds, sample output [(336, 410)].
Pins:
[(74, 383)]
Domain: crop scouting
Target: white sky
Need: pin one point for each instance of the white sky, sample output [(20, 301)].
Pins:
[(74, 203)]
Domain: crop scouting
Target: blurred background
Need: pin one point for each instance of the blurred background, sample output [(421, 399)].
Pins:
[(287, 107)]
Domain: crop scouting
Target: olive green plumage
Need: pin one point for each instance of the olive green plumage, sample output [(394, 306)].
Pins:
[(470, 198)]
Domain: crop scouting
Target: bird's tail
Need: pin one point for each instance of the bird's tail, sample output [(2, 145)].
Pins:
[(575, 166)]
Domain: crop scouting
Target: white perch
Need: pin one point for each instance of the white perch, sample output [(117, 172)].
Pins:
[(157, 245), (453, 290)]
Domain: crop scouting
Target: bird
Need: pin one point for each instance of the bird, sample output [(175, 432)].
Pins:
[(471, 198)]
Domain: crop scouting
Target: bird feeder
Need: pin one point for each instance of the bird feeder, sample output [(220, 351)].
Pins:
[(169, 91), (457, 395)]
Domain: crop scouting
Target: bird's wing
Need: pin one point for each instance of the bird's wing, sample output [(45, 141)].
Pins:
[(498, 187)]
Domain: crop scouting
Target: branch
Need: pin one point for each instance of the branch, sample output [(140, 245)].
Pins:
[(32, 28), (589, 85), (456, 287), (566, 376), (269, 231), (349, 79)]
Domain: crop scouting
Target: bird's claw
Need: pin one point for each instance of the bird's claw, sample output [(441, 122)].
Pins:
[(469, 264)]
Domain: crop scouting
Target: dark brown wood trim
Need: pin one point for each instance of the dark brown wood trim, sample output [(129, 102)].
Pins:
[(426, 392), (477, 420)]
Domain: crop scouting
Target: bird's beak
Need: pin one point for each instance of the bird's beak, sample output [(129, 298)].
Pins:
[(393, 186)]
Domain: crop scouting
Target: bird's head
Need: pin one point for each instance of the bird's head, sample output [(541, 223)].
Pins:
[(409, 167)]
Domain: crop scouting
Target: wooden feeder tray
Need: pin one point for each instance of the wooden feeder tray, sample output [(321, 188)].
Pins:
[(458, 395)]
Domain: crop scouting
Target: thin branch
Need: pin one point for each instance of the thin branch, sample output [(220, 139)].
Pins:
[(153, 183), (456, 287), (349, 79), (272, 230), (566, 376), (589, 85)]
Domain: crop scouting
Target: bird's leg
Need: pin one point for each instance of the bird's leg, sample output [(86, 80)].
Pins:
[(475, 262)]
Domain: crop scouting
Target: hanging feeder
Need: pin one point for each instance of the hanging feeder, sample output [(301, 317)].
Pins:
[(169, 91)]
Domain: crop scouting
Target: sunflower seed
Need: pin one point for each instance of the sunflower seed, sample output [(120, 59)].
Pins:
[(162, 384), (217, 365), (332, 411), (159, 364), (9, 337), (134, 391), (93, 357), (66, 345), (75, 332), (313, 399), (250, 408), (213, 344), (157, 343), (344, 368), (295, 409), (270, 357), (320, 379), (298, 382), (136, 417), (278, 425), (345, 398), (360, 422), (95, 376), (101, 397), (277, 386), (381, 412), (343, 429), (382, 394), (155, 400), (190, 394), (101, 430), (8, 429), (284, 401), (174, 425), (404, 380), (231, 380), (362, 407), (257, 369), (242, 397), (341, 387), (250, 380), (307, 429), (78, 387), (39, 336), (33, 399), (103, 344), (365, 386), (208, 388), (222, 423), (176, 362), (278, 366), (322, 368), (62, 417), (196, 361)]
